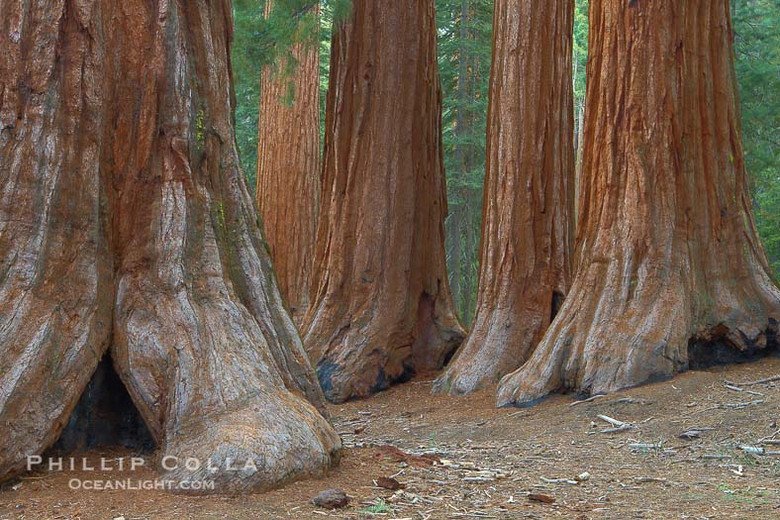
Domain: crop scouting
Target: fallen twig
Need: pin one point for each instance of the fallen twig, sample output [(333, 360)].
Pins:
[(757, 450), (739, 406), (738, 471), (758, 382), (559, 481), (735, 388), (618, 425), (644, 446), (769, 439), (694, 433), (649, 479), (589, 399)]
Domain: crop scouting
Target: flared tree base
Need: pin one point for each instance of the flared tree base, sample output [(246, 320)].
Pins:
[(498, 344), (273, 441), (610, 339), (361, 361), (126, 228)]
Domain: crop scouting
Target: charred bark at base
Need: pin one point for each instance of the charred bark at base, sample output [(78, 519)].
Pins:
[(668, 249), (381, 305), (125, 224), (288, 171), (527, 231), (713, 351)]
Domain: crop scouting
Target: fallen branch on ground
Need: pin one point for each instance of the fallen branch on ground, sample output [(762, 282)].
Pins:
[(644, 446), (757, 450), (641, 480), (589, 399), (739, 389), (770, 439), (558, 481), (739, 406), (619, 426), (758, 382)]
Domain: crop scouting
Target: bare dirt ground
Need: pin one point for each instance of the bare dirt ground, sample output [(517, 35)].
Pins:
[(462, 458)]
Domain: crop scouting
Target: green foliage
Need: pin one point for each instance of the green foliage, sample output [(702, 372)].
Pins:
[(757, 48), (200, 127), (339, 9), (332, 13), (580, 52), (379, 507), (248, 56), (261, 41), (465, 37), (464, 51)]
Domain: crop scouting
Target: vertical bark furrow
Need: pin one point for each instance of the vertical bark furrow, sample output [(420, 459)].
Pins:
[(288, 170), (668, 255), (124, 196), (54, 268), (528, 228), (381, 306)]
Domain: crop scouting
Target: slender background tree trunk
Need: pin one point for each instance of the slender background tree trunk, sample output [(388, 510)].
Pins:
[(126, 227), (671, 273), (528, 199), (578, 158), (381, 307), (288, 170)]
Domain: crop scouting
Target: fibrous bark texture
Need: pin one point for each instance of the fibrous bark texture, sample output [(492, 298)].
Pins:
[(126, 225), (288, 170), (381, 306), (527, 224), (669, 267)]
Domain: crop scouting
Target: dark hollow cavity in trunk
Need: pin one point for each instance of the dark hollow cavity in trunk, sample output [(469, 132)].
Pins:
[(105, 417), (717, 350)]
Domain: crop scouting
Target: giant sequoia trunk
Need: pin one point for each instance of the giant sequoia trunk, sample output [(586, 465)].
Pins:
[(381, 305), (288, 173), (670, 272), (126, 227), (527, 229)]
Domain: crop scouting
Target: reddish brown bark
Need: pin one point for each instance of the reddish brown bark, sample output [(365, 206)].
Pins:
[(126, 226), (288, 170), (381, 306), (671, 272), (527, 224)]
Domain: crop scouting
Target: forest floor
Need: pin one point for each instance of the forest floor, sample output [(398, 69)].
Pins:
[(463, 458)]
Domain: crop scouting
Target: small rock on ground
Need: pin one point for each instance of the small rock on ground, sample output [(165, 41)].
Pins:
[(331, 499)]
